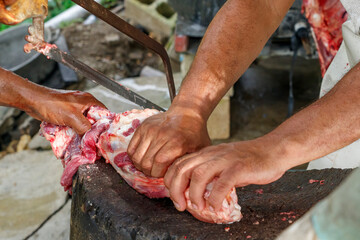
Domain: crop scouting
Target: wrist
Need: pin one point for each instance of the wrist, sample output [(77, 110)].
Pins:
[(189, 109), (277, 151)]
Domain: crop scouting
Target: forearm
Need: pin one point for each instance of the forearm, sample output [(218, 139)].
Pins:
[(233, 40), (45, 104), (327, 125), (16, 91)]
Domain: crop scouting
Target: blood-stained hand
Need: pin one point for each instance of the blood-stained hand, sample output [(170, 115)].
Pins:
[(235, 164), (59, 107), (54, 106), (163, 138), (64, 108)]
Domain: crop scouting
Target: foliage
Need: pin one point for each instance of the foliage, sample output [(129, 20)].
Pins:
[(3, 27), (58, 6), (69, 23), (109, 3)]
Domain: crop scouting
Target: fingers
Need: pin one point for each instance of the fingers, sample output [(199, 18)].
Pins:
[(177, 189), (164, 157), (177, 179), (80, 124), (221, 188), (134, 142), (151, 156), (92, 102), (200, 178), (138, 156)]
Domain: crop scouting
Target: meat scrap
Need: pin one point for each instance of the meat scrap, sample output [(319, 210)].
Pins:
[(322, 182), (109, 138)]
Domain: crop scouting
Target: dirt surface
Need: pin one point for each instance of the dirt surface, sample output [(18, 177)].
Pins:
[(108, 50)]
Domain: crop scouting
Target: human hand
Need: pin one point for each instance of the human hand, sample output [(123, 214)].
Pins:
[(235, 164), (63, 108), (162, 138)]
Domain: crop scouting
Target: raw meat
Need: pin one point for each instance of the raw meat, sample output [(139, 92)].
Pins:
[(109, 138), (326, 18)]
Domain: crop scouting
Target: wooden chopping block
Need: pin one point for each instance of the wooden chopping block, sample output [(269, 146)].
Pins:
[(105, 207)]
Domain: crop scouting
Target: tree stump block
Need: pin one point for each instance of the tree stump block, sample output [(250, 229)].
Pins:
[(105, 207)]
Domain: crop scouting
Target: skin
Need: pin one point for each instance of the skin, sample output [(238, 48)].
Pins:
[(45, 104), (327, 125), (225, 53), (233, 40)]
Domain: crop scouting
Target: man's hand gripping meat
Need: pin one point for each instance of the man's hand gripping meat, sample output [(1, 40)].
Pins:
[(165, 137), (45, 104)]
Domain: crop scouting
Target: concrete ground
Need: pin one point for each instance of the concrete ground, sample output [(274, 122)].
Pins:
[(29, 193)]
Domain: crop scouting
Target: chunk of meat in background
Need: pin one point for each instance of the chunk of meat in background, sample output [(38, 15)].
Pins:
[(326, 18)]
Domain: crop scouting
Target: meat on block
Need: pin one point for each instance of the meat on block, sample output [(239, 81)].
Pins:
[(109, 138)]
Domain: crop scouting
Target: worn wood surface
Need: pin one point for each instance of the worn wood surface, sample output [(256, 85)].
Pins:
[(105, 207)]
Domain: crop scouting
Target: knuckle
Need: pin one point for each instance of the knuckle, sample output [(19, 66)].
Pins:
[(162, 158), (131, 151), (178, 169), (198, 173), (163, 135), (167, 182), (136, 159), (222, 185), (149, 131), (146, 166), (86, 94), (214, 201), (174, 195)]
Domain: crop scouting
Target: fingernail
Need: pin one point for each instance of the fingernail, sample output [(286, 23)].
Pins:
[(211, 209), (177, 206), (194, 206)]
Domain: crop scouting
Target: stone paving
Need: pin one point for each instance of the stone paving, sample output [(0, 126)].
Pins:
[(29, 193)]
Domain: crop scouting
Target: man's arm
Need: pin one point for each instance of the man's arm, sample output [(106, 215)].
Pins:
[(233, 40), (45, 104), (327, 125)]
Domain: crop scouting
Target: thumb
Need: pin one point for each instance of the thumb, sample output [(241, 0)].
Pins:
[(81, 125)]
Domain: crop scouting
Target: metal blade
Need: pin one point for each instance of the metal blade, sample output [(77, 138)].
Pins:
[(92, 74)]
